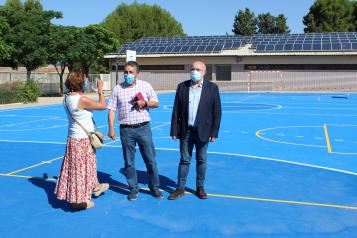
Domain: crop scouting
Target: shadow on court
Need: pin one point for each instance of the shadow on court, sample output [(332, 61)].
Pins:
[(166, 183), (49, 188)]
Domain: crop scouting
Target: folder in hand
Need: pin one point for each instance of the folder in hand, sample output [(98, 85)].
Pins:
[(139, 96)]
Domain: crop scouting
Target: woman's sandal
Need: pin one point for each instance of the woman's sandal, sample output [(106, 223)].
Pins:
[(83, 205), (101, 188)]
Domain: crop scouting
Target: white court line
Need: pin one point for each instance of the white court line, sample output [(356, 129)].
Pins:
[(26, 122), (37, 129), (323, 108), (218, 153), (275, 107), (246, 98), (291, 113), (17, 115), (32, 141)]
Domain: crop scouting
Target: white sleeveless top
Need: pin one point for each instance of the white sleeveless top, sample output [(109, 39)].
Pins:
[(83, 116)]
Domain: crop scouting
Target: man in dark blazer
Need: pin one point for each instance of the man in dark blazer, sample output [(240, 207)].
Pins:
[(196, 119)]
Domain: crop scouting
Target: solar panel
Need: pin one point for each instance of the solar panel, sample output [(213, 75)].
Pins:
[(307, 46), (260, 48), (279, 47), (326, 46), (297, 47), (346, 46), (336, 46), (335, 41), (316, 46), (269, 48), (201, 48), (288, 47)]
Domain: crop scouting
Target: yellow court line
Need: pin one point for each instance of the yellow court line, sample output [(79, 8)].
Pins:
[(27, 177), (43, 162), (226, 196), (327, 139), (35, 165)]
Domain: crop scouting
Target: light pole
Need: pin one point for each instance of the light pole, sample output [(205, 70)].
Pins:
[(116, 69)]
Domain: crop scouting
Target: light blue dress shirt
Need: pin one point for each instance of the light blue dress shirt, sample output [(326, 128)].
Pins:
[(194, 100)]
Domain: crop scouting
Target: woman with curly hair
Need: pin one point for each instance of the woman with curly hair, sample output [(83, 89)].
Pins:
[(78, 180)]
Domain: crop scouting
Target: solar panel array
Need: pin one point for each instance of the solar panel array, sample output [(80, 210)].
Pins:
[(336, 41)]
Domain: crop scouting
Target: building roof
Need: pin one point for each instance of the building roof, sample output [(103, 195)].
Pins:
[(334, 43)]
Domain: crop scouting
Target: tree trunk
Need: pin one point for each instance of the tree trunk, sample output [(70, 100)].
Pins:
[(28, 72), (61, 80)]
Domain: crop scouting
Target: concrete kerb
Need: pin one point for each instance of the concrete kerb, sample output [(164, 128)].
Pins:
[(52, 100)]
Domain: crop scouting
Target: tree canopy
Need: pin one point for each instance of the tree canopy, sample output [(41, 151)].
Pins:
[(134, 21), (266, 23), (245, 23), (5, 48), (30, 26), (330, 16)]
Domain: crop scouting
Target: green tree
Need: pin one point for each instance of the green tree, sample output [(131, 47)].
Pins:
[(62, 48), (354, 14), (93, 42), (329, 16), (266, 23), (30, 26), (280, 25), (134, 21), (245, 23), (5, 48)]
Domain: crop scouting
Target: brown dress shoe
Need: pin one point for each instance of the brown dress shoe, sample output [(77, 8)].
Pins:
[(200, 192), (179, 192)]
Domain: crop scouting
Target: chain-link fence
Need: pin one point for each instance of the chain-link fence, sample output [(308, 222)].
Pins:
[(265, 81)]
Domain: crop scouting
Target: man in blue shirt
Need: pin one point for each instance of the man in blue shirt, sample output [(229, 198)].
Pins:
[(196, 119)]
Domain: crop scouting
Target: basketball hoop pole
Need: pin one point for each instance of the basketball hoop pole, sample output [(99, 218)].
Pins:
[(116, 69)]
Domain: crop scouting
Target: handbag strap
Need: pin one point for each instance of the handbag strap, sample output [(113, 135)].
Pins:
[(69, 112)]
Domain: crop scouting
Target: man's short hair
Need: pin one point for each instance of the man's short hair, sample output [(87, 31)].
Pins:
[(132, 64)]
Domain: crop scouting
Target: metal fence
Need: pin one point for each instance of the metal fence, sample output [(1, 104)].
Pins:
[(264, 81), (49, 83)]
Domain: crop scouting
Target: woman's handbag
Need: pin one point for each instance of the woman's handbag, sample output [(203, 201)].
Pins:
[(96, 138)]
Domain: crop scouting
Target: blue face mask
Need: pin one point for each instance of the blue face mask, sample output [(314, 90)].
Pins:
[(196, 76), (129, 78), (85, 85)]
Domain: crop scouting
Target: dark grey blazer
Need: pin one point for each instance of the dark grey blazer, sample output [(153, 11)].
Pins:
[(208, 113)]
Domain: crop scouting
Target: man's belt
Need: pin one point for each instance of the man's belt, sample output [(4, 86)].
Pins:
[(133, 125)]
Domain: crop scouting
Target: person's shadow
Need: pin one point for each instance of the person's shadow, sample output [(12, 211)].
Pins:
[(49, 187), (115, 185), (166, 183)]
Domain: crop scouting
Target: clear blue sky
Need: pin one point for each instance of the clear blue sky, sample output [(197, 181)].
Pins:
[(198, 17)]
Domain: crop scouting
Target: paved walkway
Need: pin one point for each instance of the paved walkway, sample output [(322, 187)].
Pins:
[(41, 101)]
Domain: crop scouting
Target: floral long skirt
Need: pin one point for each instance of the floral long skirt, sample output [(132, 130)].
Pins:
[(78, 175)]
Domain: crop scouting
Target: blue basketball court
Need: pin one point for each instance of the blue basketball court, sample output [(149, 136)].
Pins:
[(284, 165)]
